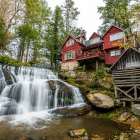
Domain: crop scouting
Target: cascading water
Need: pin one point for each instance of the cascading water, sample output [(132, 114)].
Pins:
[(32, 92)]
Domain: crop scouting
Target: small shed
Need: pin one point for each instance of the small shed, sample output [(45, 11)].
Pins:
[(126, 75)]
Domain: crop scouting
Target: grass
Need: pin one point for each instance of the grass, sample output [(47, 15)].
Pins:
[(113, 115)]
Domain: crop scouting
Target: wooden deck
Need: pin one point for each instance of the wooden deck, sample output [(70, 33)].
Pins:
[(91, 54)]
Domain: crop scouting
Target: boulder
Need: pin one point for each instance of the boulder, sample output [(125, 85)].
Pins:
[(136, 109), (134, 119), (73, 112), (77, 133), (124, 116), (105, 84), (100, 100), (71, 74), (82, 74)]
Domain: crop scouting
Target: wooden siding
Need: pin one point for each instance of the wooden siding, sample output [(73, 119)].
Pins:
[(76, 47), (111, 59), (107, 43), (127, 84)]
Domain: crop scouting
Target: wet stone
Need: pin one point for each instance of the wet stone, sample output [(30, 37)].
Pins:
[(124, 116), (77, 133)]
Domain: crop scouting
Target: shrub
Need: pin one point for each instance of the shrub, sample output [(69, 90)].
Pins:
[(101, 73), (84, 68)]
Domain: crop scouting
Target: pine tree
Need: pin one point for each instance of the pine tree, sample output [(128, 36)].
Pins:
[(70, 15), (115, 12), (54, 37)]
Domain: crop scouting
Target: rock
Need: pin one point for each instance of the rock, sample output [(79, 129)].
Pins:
[(25, 138), (90, 83), (76, 133), (100, 100), (79, 81), (82, 75), (71, 74), (70, 66), (62, 76), (105, 84), (136, 109), (124, 116), (73, 112), (134, 119)]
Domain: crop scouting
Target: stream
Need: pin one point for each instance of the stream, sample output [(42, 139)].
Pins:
[(28, 95)]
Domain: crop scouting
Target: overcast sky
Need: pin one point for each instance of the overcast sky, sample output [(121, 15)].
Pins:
[(89, 18)]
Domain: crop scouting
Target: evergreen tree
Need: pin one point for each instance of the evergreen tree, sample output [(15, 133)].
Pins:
[(55, 37), (115, 12), (70, 15)]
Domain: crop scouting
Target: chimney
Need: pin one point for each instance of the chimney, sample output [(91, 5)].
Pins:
[(83, 33)]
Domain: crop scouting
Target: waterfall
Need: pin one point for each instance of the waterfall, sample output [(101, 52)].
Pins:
[(32, 92)]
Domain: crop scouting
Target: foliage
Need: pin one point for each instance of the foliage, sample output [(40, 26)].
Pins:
[(8, 60), (54, 37), (115, 12), (101, 73), (84, 68), (67, 99), (113, 115), (70, 14)]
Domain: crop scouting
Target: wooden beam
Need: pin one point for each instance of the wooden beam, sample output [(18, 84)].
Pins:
[(126, 92), (96, 67), (135, 92)]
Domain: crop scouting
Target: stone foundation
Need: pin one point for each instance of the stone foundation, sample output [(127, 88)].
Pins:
[(70, 65)]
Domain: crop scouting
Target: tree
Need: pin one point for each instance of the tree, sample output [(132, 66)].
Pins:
[(70, 15), (115, 12), (55, 37)]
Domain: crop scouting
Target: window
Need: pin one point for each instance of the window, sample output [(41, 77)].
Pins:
[(82, 40), (116, 36), (69, 43), (115, 52), (79, 51), (95, 40), (69, 55)]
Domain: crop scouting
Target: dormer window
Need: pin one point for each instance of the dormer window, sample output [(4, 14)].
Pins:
[(69, 43), (116, 36), (82, 40), (95, 40)]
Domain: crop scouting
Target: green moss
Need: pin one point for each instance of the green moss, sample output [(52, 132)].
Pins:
[(113, 115)]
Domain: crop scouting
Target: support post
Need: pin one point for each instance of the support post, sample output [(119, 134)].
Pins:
[(124, 104), (135, 92), (96, 67), (115, 88)]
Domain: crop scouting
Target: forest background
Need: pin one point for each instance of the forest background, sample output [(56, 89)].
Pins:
[(30, 32)]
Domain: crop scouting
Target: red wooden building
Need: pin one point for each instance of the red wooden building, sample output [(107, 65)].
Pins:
[(97, 50)]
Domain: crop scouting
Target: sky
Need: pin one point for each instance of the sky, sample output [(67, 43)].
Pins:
[(89, 19)]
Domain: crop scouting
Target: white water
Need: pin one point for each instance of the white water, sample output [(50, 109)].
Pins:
[(31, 97)]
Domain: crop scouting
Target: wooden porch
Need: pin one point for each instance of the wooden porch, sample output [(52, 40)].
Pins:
[(91, 54)]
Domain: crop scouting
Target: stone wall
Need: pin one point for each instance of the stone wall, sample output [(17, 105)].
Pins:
[(70, 65)]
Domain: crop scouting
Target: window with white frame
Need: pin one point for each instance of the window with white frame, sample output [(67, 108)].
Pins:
[(69, 43), (116, 36), (115, 52), (95, 40), (69, 55), (82, 40)]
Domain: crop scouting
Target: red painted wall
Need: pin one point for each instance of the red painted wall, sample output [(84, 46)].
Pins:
[(111, 59), (107, 43), (95, 36), (76, 47)]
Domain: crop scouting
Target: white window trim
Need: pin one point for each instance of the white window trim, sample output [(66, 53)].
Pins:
[(83, 40), (94, 39), (69, 58), (115, 53), (71, 43), (116, 34)]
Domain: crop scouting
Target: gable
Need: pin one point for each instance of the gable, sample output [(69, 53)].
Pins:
[(129, 58), (94, 35), (112, 30)]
